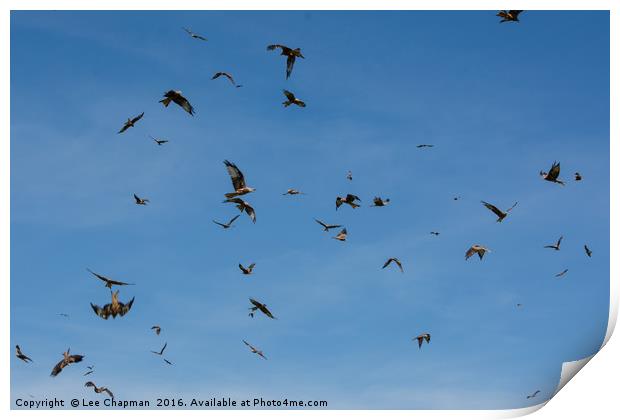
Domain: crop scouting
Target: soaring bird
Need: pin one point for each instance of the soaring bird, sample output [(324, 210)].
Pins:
[(226, 75), (238, 181), (476, 249), (247, 271), (327, 227), (157, 329), (99, 390), (179, 99), (291, 99), (255, 350), (227, 225), (109, 282), (291, 55), (293, 191), (194, 35), (130, 123), (22, 356), (578, 176), (509, 15), (243, 206), (421, 338), (395, 260), (379, 202), (159, 142), (64, 315), (419, 146), (350, 199), (261, 307), (342, 235), (350, 176), (161, 351), (588, 252), (553, 174), (90, 370), (533, 395), (67, 359), (114, 309), (500, 214), (435, 233), (141, 201), (557, 244), (562, 273)]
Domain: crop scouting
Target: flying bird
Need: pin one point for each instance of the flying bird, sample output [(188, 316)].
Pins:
[(476, 249), (109, 282), (509, 15), (292, 100), (238, 181), (161, 351), (350, 176), (553, 174), (255, 350), (176, 97), (226, 75), (533, 395), (114, 309), (293, 191), (194, 35), (562, 273), (259, 306), (588, 252), (130, 123), (67, 359), (500, 214), (421, 338), (227, 225), (395, 260), (435, 233), (157, 329), (99, 390), (90, 370), (291, 55), (342, 236), (578, 176), (141, 201), (247, 271), (22, 356), (64, 315), (557, 244), (158, 141), (379, 202), (419, 146), (327, 227), (243, 206), (350, 199)]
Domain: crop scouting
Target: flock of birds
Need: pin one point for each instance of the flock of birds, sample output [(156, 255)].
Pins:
[(241, 189)]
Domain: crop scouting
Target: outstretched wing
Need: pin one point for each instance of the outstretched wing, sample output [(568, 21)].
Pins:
[(107, 391), (58, 368), (232, 220), (184, 103), (137, 118), (494, 209), (274, 46), (289, 95), (471, 251), (352, 197), (290, 62), (554, 172), (125, 307), (250, 211), (102, 312), (387, 263), (236, 176)]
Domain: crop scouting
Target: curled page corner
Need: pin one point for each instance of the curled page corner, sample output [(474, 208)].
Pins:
[(569, 370)]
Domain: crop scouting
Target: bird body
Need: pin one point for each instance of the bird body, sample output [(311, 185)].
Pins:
[(261, 307), (141, 201), (420, 338), (255, 350), (509, 15), (379, 202), (157, 329), (342, 235), (248, 270), (562, 273), (114, 309), (109, 282), (350, 199), (158, 141), (292, 191), (533, 395), (226, 75), (556, 246), (227, 225), (194, 35), (588, 252)]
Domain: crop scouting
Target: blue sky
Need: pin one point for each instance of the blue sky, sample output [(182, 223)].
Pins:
[(499, 102)]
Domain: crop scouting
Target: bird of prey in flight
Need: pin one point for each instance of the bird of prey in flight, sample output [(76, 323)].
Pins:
[(243, 206), (226, 75), (533, 395), (67, 359), (22, 356), (327, 227), (342, 235), (177, 97), (588, 252), (562, 273), (557, 244), (109, 282), (350, 176), (99, 390), (421, 338), (396, 261), (158, 141), (141, 201), (157, 329), (130, 123), (248, 270), (261, 307), (553, 174), (435, 233), (159, 353), (64, 315), (350, 199), (293, 191), (227, 225), (194, 35), (419, 146), (379, 202), (255, 350), (291, 99), (500, 214), (238, 181), (476, 249), (90, 370), (291, 55), (509, 15), (578, 176), (114, 309)]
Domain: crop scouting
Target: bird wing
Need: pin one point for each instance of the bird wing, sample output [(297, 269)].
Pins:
[(559, 241), (274, 46), (242, 268), (352, 197), (163, 348), (398, 263), (387, 263), (107, 391), (125, 127), (251, 266), (91, 384), (471, 251), (250, 211), (266, 311), (513, 206), (236, 176), (183, 103), (218, 223), (554, 172), (320, 223), (232, 220), (494, 209), (290, 62), (58, 368), (125, 307), (289, 95), (135, 119), (101, 312)]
